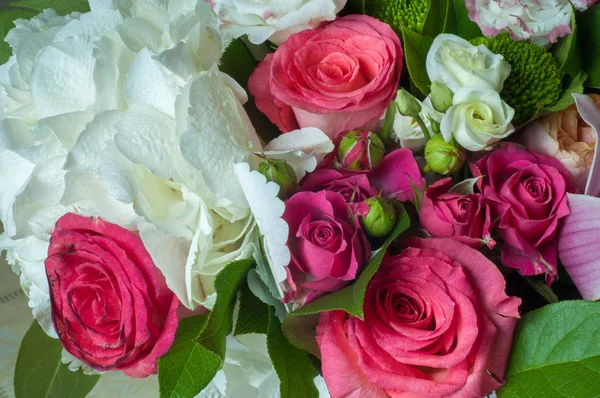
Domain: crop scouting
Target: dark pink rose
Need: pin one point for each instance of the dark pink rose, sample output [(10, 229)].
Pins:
[(528, 193), (337, 77), (327, 246), (355, 188), (437, 323), (464, 217), (110, 305), (396, 175)]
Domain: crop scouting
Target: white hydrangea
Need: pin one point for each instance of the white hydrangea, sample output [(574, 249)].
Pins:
[(273, 20), (540, 21), (115, 113)]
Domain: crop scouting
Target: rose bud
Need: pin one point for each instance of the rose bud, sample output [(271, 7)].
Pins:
[(380, 218), (443, 157), (407, 104), (441, 96), (361, 150), (282, 174)]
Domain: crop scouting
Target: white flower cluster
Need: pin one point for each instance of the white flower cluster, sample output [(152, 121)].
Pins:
[(122, 113), (475, 114)]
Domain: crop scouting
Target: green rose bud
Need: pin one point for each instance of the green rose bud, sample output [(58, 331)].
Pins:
[(407, 104), (361, 150), (441, 96), (443, 157), (380, 219), (281, 173)]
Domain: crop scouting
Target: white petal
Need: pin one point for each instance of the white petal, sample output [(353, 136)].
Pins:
[(138, 34), (15, 173), (217, 136), (267, 209), (85, 156), (92, 24), (65, 128), (63, 77), (303, 149)]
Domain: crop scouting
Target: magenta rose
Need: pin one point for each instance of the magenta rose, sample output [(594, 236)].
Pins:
[(327, 247), (527, 192), (437, 323), (110, 305), (337, 77), (355, 188), (464, 217), (394, 177)]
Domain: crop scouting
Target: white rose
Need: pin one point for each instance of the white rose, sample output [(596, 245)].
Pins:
[(275, 20), (541, 21), (477, 118), (457, 63), (407, 131)]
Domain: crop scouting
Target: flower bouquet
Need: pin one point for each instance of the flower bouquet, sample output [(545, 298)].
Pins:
[(304, 198)]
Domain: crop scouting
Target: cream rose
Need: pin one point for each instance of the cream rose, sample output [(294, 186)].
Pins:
[(477, 118), (567, 138), (457, 63)]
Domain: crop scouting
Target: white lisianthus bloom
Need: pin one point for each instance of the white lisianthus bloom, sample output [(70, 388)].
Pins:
[(541, 21), (407, 131), (457, 63), (477, 118), (273, 20)]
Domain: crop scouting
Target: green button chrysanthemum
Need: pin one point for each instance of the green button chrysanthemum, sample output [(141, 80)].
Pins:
[(397, 13), (534, 81)]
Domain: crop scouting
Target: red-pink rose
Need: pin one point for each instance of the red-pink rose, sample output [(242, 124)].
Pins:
[(327, 247), (528, 193), (338, 77), (110, 306), (437, 323), (464, 217)]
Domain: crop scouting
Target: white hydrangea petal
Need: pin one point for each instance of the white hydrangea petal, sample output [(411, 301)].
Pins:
[(138, 34), (15, 174), (302, 149), (85, 155), (39, 302), (217, 136), (92, 24), (267, 209), (65, 128), (157, 80), (205, 46), (63, 77), (146, 137), (14, 135), (113, 60)]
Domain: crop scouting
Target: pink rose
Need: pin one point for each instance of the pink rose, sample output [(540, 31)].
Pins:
[(528, 193), (337, 77), (463, 217), (327, 247), (437, 323), (110, 305)]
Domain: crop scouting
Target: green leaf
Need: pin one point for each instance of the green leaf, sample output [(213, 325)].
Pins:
[(292, 365), (440, 18), (572, 85), (183, 371), (253, 316), (566, 52), (40, 372), (556, 353), (466, 28), (194, 371), (388, 123), (416, 47), (300, 330), (589, 42), (237, 61), (543, 289), (62, 7)]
